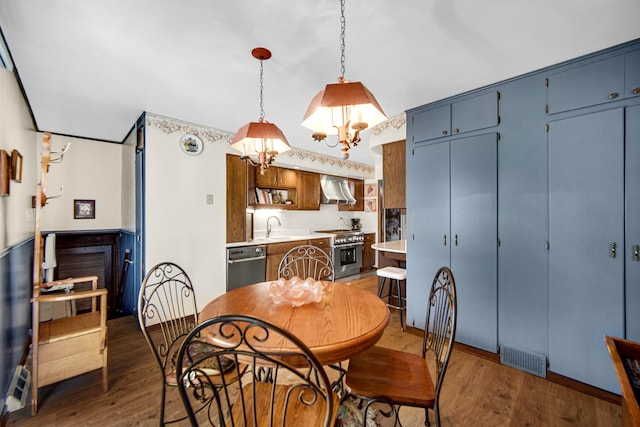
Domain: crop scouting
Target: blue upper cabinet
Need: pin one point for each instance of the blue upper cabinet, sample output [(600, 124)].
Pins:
[(586, 85), (475, 113), (467, 115), (632, 74), (428, 124)]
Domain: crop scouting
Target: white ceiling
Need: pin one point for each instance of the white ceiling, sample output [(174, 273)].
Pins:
[(90, 68)]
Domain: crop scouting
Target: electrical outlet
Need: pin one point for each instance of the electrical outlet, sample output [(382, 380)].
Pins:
[(209, 199)]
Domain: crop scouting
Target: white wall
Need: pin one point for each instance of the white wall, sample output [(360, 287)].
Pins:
[(128, 213), (180, 226), (90, 170), (17, 221)]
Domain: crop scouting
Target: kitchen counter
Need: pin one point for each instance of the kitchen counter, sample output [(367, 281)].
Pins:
[(279, 239), (396, 246)]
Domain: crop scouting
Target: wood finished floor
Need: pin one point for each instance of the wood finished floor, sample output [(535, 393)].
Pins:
[(476, 392)]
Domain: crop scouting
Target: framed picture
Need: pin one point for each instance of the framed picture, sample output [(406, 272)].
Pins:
[(191, 144), (16, 166), (370, 205), (370, 190), (84, 209), (5, 172)]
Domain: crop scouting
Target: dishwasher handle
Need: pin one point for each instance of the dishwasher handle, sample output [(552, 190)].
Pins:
[(234, 261)]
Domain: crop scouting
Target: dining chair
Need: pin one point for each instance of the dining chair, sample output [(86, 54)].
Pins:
[(167, 312), (306, 261), (296, 390), (397, 378)]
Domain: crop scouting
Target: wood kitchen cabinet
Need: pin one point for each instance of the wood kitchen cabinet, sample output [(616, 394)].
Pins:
[(308, 191), (275, 252), (236, 198), (276, 177), (323, 243), (394, 174), (368, 254), (357, 189)]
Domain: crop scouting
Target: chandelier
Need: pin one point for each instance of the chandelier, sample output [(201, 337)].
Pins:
[(261, 141), (344, 108)]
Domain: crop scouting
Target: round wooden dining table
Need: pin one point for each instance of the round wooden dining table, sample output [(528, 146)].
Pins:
[(346, 322)]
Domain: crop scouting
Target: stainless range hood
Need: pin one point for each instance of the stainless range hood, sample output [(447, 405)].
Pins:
[(335, 191)]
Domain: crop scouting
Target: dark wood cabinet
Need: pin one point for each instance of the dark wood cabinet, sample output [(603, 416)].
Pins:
[(275, 252), (275, 177), (236, 198), (368, 254), (394, 175), (308, 191), (357, 190)]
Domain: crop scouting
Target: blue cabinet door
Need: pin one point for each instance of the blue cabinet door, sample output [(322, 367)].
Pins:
[(479, 112), (632, 223), (586, 295), (586, 85), (431, 123), (474, 232), (632, 74), (428, 222)]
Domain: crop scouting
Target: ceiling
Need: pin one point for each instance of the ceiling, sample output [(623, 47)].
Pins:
[(90, 68)]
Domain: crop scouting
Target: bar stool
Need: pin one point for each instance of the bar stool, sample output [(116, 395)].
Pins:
[(398, 275)]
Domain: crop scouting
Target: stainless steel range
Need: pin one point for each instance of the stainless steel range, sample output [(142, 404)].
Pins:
[(346, 249)]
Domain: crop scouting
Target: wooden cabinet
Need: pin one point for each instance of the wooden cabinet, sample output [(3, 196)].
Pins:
[(323, 243), (394, 174), (308, 191), (276, 177), (275, 252), (368, 254), (582, 86), (278, 186), (357, 190), (466, 115), (236, 199)]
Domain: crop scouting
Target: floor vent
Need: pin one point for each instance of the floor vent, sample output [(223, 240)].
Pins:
[(527, 361), (18, 389)]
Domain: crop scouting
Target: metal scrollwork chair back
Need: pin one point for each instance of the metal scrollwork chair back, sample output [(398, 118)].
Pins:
[(167, 312), (392, 378), (306, 261), (296, 392)]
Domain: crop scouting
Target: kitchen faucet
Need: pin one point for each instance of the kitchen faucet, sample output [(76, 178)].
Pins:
[(269, 224)]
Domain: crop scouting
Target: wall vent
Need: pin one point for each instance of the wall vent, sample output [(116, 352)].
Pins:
[(527, 361)]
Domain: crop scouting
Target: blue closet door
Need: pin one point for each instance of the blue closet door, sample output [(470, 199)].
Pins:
[(474, 232), (586, 212), (632, 221), (428, 222)]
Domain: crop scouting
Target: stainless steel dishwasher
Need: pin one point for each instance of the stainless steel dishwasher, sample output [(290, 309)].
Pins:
[(246, 265)]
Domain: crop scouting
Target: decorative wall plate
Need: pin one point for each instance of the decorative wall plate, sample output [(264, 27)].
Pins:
[(191, 144)]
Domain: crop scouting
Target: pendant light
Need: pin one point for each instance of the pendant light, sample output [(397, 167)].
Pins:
[(261, 139), (344, 108)]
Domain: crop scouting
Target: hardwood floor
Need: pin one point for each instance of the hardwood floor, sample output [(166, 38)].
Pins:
[(476, 391)]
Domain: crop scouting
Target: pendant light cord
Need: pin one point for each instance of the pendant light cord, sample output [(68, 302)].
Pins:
[(261, 97), (343, 24)]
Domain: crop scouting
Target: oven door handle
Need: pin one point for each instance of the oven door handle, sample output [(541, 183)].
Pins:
[(348, 246), (235, 261)]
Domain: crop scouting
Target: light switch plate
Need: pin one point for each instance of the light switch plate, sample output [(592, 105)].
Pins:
[(209, 199)]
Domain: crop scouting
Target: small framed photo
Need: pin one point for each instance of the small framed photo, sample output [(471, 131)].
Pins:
[(16, 166), (84, 209), (370, 190)]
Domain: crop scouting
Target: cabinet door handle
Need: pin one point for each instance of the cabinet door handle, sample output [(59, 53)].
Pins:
[(455, 240), (445, 239), (444, 132), (613, 95), (636, 253), (613, 249), (636, 91), (456, 130)]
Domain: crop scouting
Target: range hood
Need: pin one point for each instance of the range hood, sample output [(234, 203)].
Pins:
[(335, 191)]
